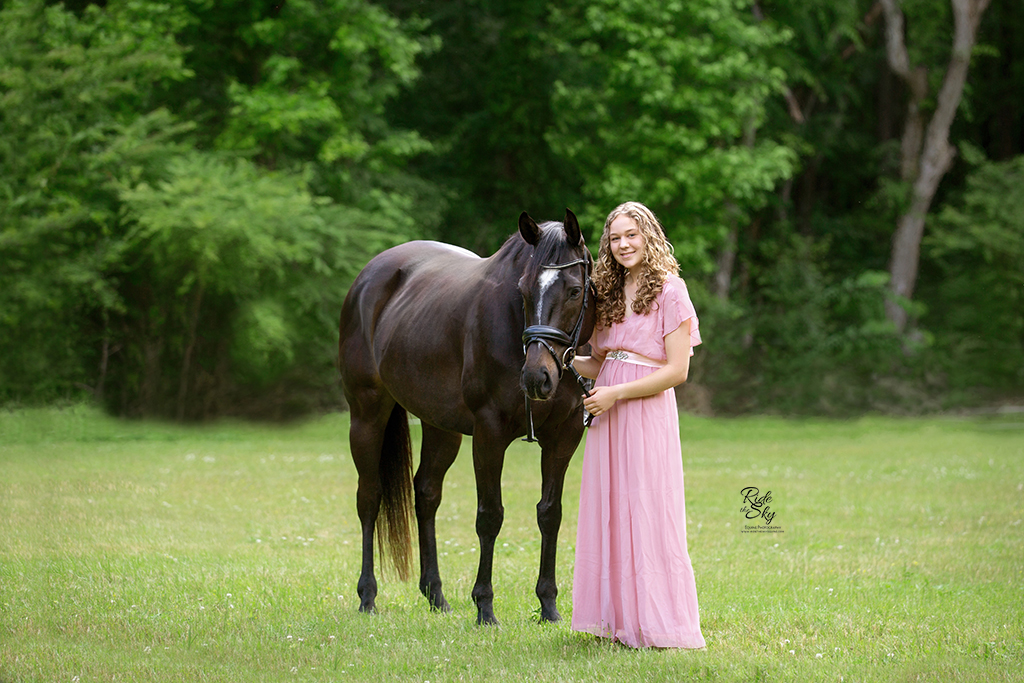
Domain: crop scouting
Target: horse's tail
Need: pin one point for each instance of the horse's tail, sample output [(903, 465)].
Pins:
[(396, 509)]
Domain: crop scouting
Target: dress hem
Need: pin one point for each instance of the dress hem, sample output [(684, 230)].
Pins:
[(675, 641)]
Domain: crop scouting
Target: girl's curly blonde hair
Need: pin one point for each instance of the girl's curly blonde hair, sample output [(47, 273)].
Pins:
[(610, 276)]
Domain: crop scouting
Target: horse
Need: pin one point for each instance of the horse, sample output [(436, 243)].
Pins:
[(474, 346)]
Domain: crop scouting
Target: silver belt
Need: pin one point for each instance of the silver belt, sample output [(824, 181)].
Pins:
[(635, 359)]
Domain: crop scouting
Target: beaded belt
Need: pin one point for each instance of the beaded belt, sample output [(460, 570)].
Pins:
[(635, 359)]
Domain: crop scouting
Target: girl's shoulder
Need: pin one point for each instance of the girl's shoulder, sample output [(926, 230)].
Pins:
[(674, 283)]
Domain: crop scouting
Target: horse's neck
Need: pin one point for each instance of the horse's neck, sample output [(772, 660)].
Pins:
[(510, 262)]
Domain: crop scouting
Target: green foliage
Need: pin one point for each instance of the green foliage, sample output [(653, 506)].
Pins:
[(186, 189), (663, 102), (484, 101), (250, 270), (977, 245), (161, 276), (78, 113), (224, 226), (321, 92), (809, 342)]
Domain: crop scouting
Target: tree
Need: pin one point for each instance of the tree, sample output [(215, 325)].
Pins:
[(485, 102), (235, 276), (926, 154), (80, 113), (976, 245), (242, 251), (179, 268), (661, 102)]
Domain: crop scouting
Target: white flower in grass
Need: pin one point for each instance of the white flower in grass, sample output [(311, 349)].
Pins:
[(817, 656)]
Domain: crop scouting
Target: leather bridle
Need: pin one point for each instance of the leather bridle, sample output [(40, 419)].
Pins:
[(546, 334)]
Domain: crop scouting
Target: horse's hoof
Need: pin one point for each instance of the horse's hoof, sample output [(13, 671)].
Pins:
[(440, 605), (486, 619), (435, 598), (551, 616), (367, 608)]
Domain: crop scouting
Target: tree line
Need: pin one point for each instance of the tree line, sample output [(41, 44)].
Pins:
[(187, 189)]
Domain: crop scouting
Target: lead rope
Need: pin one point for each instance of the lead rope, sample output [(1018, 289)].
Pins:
[(530, 438)]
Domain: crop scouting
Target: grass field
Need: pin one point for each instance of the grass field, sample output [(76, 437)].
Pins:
[(153, 552)]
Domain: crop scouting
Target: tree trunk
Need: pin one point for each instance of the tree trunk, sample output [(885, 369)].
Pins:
[(726, 260), (189, 349), (926, 152)]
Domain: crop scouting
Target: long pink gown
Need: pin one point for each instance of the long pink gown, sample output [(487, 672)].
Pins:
[(633, 581)]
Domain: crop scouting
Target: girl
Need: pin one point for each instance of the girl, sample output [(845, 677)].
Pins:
[(633, 582)]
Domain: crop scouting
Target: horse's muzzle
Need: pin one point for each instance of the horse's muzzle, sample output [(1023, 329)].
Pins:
[(540, 377)]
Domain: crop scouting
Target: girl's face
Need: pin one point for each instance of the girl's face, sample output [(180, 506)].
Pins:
[(626, 243)]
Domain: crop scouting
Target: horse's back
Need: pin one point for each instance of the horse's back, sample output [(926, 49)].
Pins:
[(403, 322), (419, 269)]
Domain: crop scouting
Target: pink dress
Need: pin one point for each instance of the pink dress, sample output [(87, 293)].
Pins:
[(633, 581)]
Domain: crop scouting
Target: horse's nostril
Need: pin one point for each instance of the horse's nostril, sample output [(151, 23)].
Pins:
[(539, 383)]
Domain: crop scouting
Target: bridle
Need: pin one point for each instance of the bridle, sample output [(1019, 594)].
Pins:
[(546, 334)]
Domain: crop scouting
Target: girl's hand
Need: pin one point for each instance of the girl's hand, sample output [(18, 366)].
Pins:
[(601, 400)]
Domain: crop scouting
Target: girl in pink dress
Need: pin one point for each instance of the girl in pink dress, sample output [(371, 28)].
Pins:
[(633, 582)]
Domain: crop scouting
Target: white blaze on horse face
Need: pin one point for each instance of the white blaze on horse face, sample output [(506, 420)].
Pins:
[(546, 279)]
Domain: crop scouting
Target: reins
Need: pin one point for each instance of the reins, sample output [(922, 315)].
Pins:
[(543, 334)]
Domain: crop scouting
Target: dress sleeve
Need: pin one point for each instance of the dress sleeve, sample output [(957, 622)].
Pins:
[(597, 342), (679, 309)]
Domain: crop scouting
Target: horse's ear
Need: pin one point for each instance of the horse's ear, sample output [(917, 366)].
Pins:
[(572, 229), (529, 229)]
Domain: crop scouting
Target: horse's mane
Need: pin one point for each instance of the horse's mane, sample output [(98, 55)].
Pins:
[(552, 241)]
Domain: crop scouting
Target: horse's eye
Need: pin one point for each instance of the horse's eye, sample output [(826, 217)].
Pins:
[(575, 292)]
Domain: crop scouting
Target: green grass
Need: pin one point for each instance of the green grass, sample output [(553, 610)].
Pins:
[(154, 552)]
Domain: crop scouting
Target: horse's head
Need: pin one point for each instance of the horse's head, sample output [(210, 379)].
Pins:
[(558, 301)]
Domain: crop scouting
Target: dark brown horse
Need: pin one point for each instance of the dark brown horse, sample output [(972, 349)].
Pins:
[(437, 331)]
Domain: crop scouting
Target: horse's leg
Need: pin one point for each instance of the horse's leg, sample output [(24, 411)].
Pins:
[(488, 460), (366, 437), (436, 456), (556, 452)]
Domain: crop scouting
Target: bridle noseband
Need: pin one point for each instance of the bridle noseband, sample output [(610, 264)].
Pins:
[(545, 334)]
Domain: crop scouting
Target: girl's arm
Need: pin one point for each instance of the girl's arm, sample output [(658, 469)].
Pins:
[(588, 366), (677, 348)]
